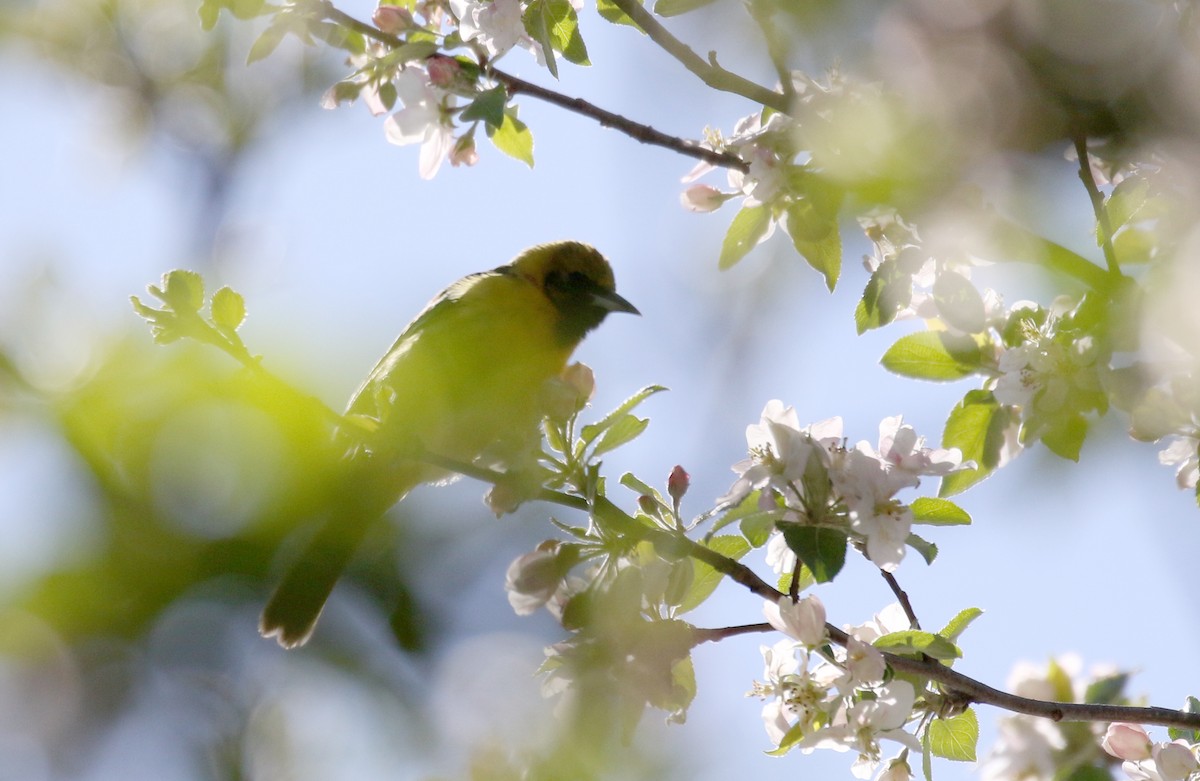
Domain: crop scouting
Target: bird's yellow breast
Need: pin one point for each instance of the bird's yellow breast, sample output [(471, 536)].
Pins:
[(467, 376)]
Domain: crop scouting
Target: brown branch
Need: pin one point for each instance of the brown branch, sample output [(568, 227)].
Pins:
[(635, 130), (714, 635), (902, 598), (976, 692), (1097, 199), (968, 689)]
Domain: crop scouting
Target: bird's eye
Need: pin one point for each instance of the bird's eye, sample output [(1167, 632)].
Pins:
[(568, 282)]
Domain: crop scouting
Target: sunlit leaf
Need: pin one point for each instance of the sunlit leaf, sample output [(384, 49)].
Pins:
[(748, 228), (955, 738), (934, 511), (933, 355), (513, 139)]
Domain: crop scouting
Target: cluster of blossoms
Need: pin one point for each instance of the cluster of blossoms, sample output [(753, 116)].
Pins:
[(812, 478), (1145, 760), (429, 85), (816, 698), (1029, 747)]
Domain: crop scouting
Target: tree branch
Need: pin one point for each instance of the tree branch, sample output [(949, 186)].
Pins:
[(1097, 199), (977, 692), (635, 130), (969, 689), (902, 598), (709, 72)]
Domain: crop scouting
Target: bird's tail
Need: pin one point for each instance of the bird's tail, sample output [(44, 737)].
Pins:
[(362, 496)]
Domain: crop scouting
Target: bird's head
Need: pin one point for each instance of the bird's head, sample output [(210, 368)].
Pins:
[(577, 280)]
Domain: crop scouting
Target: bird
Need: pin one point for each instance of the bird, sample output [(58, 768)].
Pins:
[(466, 380)]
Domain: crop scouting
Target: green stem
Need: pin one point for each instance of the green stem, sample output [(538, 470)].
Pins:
[(1097, 199), (709, 72)]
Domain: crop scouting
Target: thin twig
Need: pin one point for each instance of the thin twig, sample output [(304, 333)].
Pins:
[(635, 130), (709, 72), (902, 598), (714, 635), (1089, 184)]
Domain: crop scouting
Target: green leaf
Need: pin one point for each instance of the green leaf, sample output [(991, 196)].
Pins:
[(268, 41), (914, 642), (625, 429), (676, 7), (933, 355), (1126, 201), (822, 549), (954, 629), (976, 427), (955, 738), (228, 308), (538, 27), (209, 11), (566, 33), (790, 738), (593, 430), (631, 481), (933, 511), (748, 228), (387, 95), (959, 303), (1061, 685), (922, 546), (249, 9), (1134, 245), (706, 579), (1065, 437), (609, 11), (683, 688), (182, 290), (337, 36), (815, 236), (554, 436), (1190, 705), (513, 138), (409, 51), (757, 527), (747, 508), (926, 756), (1107, 690), (1089, 773), (488, 106), (887, 292), (554, 25)]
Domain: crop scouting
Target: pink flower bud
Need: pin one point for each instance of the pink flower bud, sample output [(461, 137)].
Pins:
[(464, 152), (442, 70), (702, 198), (677, 483), (392, 19), (1127, 741), (580, 377)]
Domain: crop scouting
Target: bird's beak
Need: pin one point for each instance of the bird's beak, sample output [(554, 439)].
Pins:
[(612, 302)]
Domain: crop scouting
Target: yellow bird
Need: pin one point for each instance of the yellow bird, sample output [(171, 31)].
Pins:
[(465, 380)]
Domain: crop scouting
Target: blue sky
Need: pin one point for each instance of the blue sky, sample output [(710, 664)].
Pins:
[(336, 243)]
